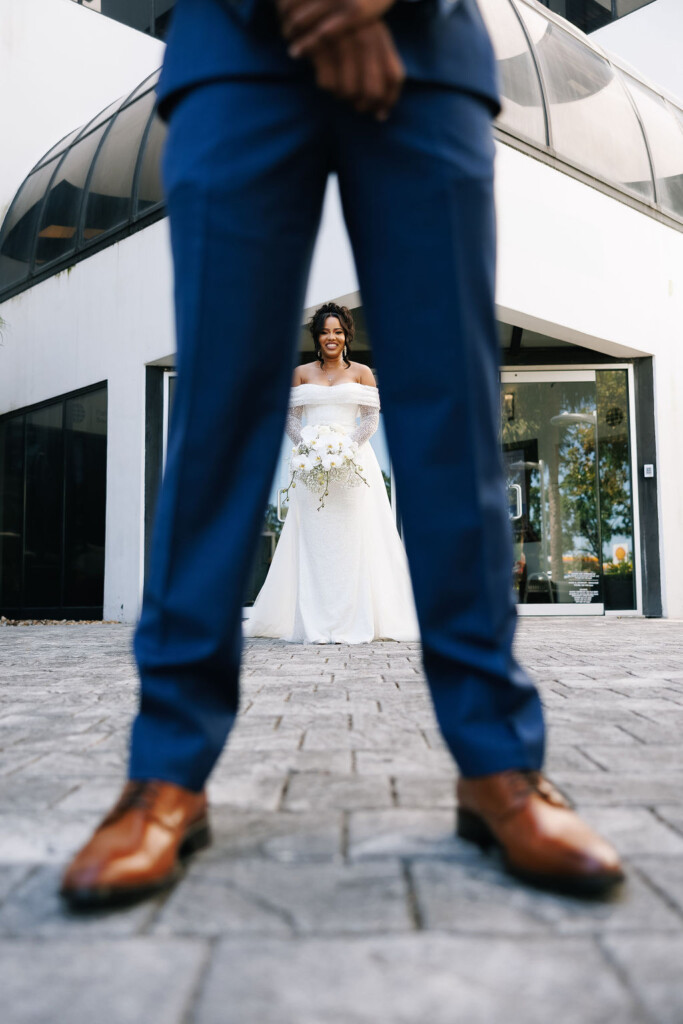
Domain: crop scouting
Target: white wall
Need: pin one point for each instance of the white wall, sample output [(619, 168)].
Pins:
[(573, 263), (103, 321), (585, 268), (60, 64), (650, 40)]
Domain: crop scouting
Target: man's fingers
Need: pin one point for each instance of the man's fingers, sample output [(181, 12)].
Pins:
[(363, 68), (395, 75), (373, 78), (326, 70), (383, 73), (305, 16), (350, 69), (332, 27)]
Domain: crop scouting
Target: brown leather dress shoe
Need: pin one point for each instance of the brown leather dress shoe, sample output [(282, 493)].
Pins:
[(542, 840), (138, 848)]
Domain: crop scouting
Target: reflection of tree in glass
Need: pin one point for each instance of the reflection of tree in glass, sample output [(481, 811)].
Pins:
[(272, 523), (616, 510), (576, 471), (565, 479)]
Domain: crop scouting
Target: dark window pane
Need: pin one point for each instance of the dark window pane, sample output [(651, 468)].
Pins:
[(616, 499), (162, 17), (21, 225), (11, 510), (44, 473), (150, 192), (59, 223), (109, 195), (131, 12), (85, 499), (589, 15), (144, 15)]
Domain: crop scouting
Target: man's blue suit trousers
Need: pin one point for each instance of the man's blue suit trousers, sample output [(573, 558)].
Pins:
[(245, 169)]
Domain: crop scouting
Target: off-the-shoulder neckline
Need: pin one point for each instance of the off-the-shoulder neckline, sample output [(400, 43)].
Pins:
[(331, 387)]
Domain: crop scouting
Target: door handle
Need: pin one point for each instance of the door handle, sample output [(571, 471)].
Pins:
[(518, 501)]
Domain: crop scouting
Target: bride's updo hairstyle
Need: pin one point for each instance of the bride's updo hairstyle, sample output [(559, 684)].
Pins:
[(316, 325)]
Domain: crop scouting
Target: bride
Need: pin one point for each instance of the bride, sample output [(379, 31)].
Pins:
[(339, 573)]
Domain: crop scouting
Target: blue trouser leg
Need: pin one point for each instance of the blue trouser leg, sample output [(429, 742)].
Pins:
[(244, 171), (418, 199)]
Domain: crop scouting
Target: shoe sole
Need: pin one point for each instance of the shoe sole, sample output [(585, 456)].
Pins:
[(198, 837), (474, 829)]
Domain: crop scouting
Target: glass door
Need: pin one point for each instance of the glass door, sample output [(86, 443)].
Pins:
[(550, 444)]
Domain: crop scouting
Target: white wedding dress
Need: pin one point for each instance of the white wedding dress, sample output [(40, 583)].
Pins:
[(339, 575)]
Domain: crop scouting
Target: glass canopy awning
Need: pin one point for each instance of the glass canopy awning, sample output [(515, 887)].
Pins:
[(562, 97)]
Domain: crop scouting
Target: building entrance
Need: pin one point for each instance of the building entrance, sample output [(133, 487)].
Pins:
[(565, 440)]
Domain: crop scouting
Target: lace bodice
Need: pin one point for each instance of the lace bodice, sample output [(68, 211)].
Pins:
[(339, 404)]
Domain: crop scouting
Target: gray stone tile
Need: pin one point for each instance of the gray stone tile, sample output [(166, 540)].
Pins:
[(376, 813), (672, 814), (378, 737), (588, 734), (394, 763), (634, 830), (279, 762), (109, 982), (216, 899), (266, 896), (90, 795), (568, 759), (255, 791), (621, 788), (423, 792), (308, 791), (11, 876), (35, 910), (652, 964), (282, 836), (13, 761), (414, 979), (34, 793), (403, 833), (474, 895), (46, 839), (84, 765), (666, 875), (643, 758)]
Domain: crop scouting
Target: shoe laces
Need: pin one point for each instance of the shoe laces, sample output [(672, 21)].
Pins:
[(546, 789), (138, 794)]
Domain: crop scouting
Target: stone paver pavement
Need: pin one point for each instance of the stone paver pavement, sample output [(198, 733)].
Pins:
[(335, 891)]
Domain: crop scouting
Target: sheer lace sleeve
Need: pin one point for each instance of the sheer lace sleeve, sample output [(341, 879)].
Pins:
[(293, 424), (369, 421)]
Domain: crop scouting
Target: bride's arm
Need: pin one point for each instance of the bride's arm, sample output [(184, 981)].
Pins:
[(369, 421), (293, 423)]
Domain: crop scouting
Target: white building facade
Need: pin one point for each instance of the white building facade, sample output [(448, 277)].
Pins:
[(589, 296)]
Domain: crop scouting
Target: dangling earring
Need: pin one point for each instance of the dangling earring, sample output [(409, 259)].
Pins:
[(319, 354), (345, 351)]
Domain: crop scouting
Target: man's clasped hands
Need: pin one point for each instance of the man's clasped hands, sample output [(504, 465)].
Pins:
[(351, 49)]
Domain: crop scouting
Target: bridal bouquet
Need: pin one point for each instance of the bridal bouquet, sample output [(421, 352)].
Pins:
[(325, 453)]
